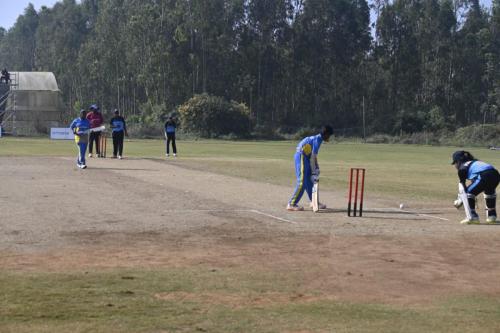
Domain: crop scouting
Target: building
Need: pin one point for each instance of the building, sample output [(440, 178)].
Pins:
[(34, 104)]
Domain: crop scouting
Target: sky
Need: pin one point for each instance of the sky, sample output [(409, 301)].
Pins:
[(11, 9)]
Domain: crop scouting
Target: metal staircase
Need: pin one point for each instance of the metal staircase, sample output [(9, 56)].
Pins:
[(8, 105)]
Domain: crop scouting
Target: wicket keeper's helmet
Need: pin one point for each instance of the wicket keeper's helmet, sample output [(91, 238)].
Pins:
[(461, 156)]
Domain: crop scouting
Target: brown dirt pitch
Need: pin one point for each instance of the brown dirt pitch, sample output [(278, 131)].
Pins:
[(137, 213)]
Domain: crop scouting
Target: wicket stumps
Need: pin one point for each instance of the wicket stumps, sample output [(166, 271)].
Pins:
[(359, 173), (103, 142)]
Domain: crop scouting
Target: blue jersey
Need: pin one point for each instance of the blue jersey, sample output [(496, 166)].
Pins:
[(310, 145), (81, 128), (472, 170), (118, 124), (170, 126)]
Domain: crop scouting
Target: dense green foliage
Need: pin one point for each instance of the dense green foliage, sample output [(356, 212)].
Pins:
[(430, 65), (209, 116)]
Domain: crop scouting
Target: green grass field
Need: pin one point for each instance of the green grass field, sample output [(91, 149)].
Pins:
[(131, 301), (119, 300), (406, 172)]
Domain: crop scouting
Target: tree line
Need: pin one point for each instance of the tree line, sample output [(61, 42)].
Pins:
[(422, 65)]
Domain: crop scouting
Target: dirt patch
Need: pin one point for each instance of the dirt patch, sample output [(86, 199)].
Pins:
[(145, 214), (236, 301)]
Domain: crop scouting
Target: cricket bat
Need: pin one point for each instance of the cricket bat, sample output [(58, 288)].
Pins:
[(465, 200), (315, 197), (98, 129)]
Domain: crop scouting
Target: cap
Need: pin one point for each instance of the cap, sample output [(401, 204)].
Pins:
[(461, 156)]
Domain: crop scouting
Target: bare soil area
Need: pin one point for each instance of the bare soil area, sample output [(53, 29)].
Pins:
[(156, 214)]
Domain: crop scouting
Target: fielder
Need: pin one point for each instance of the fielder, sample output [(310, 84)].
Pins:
[(81, 128), (484, 178), (119, 131), (307, 167)]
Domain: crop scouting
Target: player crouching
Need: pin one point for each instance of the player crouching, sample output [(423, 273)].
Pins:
[(484, 178), (307, 167)]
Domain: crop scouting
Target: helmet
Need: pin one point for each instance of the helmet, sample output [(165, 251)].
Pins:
[(93, 107)]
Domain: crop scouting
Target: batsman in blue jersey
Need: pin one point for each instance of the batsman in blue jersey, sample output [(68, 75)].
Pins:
[(81, 128), (307, 167), (484, 178)]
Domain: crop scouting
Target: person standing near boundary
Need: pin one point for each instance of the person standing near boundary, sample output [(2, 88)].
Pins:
[(119, 129), (81, 128), (170, 127), (307, 167), (95, 118), (484, 177)]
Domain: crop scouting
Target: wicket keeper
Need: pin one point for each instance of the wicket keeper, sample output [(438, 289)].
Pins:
[(307, 167), (81, 128), (484, 178)]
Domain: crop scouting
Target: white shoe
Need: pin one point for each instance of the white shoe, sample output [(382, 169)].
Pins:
[(175, 155), (472, 220), (90, 155), (119, 157), (166, 155), (294, 208), (320, 205), (491, 219), (84, 166)]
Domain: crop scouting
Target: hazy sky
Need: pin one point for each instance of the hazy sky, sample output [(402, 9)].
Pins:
[(11, 9)]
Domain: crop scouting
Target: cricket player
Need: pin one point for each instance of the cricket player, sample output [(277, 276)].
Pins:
[(119, 128), (81, 128), (96, 120), (307, 167), (170, 127), (484, 178)]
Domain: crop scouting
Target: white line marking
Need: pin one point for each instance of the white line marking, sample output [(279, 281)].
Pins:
[(255, 211), (271, 216), (419, 214)]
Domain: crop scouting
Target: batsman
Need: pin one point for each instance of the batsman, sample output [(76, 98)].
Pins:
[(484, 178), (307, 167)]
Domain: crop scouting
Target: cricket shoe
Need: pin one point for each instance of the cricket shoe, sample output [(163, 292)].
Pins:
[(320, 205), (90, 155), (294, 208), (491, 219), (472, 220), (84, 166), (119, 157), (166, 155)]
